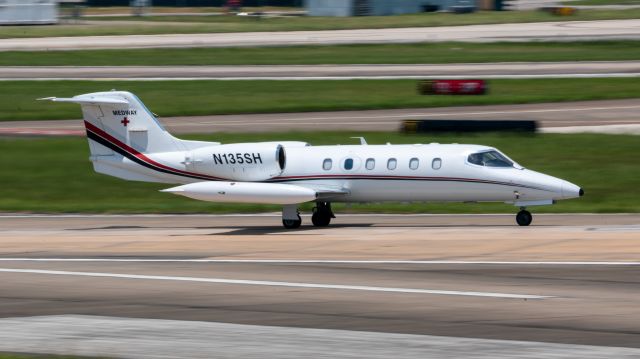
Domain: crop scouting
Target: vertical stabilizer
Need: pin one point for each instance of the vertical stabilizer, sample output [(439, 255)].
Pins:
[(123, 117), (124, 137)]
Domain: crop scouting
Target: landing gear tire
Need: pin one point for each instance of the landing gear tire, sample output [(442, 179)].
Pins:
[(524, 218), (322, 214), (321, 219), (292, 223)]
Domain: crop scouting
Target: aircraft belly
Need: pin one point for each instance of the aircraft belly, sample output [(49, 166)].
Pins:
[(454, 191), (371, 190)]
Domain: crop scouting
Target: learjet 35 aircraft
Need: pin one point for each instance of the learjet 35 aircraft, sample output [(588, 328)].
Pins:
[(127, 141)]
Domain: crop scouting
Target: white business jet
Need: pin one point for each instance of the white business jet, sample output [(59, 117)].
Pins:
[(128, 142)]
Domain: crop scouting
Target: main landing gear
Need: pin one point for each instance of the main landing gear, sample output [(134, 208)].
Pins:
[(524, 217), (322, 214), (292, 223), (291, 217), (321, 217)]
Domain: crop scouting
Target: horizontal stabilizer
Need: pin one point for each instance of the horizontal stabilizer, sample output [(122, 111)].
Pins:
[(89, 100)]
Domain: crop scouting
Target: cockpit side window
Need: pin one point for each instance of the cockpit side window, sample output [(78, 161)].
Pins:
[(489, 159)]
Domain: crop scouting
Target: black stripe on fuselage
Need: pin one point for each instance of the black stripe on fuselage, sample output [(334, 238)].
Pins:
[(376, 178), (104, 142)]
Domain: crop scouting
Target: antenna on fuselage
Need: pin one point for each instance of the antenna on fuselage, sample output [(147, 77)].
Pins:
[(362, 140)]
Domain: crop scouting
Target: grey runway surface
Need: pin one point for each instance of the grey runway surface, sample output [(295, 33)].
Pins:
[(110, 336), (421, 284), (485, 70), (549, 115), (557, 31)]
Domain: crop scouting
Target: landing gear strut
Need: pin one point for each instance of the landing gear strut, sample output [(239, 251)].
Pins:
[(322, 214), (524, 217), (291, 217)]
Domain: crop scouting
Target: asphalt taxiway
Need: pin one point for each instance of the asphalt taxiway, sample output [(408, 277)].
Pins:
[(562, 117), (453, 284), (551, 31), (581, 69)]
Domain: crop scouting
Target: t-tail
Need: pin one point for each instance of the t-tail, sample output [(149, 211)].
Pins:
[(127, 141)]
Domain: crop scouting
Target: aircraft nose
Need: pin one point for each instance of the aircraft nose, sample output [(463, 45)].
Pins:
[(570, 190)]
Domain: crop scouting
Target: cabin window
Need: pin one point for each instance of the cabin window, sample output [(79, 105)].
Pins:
[(436, 163), (392, 163), (489, 159), (414, 163), (326, 164), (348, 164), (370, 164)]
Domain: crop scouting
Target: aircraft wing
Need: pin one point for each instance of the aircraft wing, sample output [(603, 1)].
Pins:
[(326, 191), (88, 100)]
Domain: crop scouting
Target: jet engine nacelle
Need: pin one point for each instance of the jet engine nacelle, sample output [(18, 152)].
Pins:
[(241, 161)]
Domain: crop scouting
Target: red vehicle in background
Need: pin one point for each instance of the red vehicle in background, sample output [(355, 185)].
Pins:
[(453, 87), (234, 6)]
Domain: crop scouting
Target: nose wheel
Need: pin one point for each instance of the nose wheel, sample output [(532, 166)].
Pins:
[(524, 218)]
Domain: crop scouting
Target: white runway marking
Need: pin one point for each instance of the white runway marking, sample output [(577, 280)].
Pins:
[(619, 129), (324, 261), (277, 284)]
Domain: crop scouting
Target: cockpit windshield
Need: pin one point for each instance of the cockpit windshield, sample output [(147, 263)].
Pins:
[(489, 159)]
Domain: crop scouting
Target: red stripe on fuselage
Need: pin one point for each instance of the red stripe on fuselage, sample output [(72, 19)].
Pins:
[(139, 155)]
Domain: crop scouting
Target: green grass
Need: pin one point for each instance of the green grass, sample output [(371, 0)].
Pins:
[(218, 24), (427, 53), (185, 98), (54, 175)]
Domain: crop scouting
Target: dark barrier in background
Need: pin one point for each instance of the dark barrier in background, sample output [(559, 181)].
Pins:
[(198, 2), (416, 126)]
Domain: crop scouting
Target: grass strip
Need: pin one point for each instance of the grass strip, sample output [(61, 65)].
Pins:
[(185, 98), (219, 24), (426, 53), (53, 174)]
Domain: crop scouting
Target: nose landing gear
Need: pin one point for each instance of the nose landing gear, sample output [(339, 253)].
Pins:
[(524, 217)]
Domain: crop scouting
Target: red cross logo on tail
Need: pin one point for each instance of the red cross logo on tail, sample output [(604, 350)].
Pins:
[(125, 122)]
